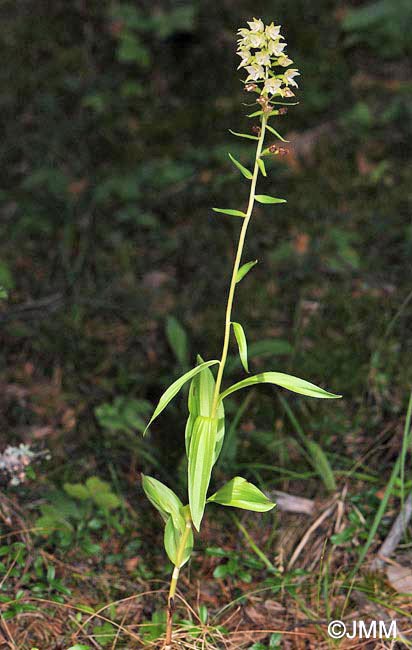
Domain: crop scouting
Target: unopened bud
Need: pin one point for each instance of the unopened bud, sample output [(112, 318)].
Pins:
[(250, 88), (288, 93), (256, 129), (282, 111)]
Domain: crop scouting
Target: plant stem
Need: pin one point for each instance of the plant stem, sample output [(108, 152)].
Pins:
[(236, 266), (173, 585)]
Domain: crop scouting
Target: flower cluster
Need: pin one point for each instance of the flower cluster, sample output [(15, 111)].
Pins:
[(261, 50)]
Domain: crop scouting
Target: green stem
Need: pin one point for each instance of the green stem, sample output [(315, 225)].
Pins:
[(236, 266), (173, 585)]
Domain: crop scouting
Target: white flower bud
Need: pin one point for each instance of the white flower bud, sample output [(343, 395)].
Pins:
[(284, 61), (256, 25), (273, 31)]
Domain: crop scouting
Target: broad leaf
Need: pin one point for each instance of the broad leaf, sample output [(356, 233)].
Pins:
[(242, 344), (262, 166), (264, 198), (239, 493), (245, 269), (163, 499), (290, 382), (201, 459), (272, 130), (244, 135), (232, 213), (200, 401), (246, 173), (169, 394), (172, 538)]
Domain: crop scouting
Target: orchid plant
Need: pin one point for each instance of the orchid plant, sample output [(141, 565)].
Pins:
[(262, 52)]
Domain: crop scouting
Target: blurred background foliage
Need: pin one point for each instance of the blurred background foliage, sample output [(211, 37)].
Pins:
[(114, 269)]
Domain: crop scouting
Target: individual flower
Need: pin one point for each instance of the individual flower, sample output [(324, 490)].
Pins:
[(272, 86), (273, 31), (256, 72), (245, 56), (257, 40), (284, 61), (262, 58), (289, 77), (256, 25), (276, 48)]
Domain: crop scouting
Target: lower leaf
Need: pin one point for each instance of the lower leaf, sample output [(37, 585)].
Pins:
[(201, 459)]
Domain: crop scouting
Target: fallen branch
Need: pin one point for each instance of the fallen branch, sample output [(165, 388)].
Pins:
[(394, 536)]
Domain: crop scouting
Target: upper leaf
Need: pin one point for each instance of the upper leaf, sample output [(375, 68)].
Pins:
[(201, 460), (239, 493), (242, 344), (233, 213), (177, 338), (290, 382), (262, 167), (264, 198), (272, 130), (244, 135), (174, 388), (245, 269), (246, 173)]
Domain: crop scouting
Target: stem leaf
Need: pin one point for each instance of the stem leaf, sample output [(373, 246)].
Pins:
[(262, 166), (272, 130), (232, 213), (174, 388), (244, 135), (289, 382), (246, 173), (172, 539), (264, 198), (242, 344), (244, 269), (163, 499), (201, 460), (239, 493)]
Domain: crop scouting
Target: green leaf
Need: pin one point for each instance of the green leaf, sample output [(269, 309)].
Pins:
[(245, 269), (232, 213), (289, 382), (177, 339), (321, 464), (255, 114), (272, 130), (262, 166), (172, 539), (163, 499), (174, 388), (201, 460), (200, 401), (242, 344), (239, 493), (77, 491), (246, 173), (264, 198), (244, 135)]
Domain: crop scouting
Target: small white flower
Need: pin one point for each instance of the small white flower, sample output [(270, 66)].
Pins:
[(262, 57), (276, 48), (284, 61), (257, 40), (256, 72), (289, 77), (272, 86), (256, 25), (245, 56), (273, 31)]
